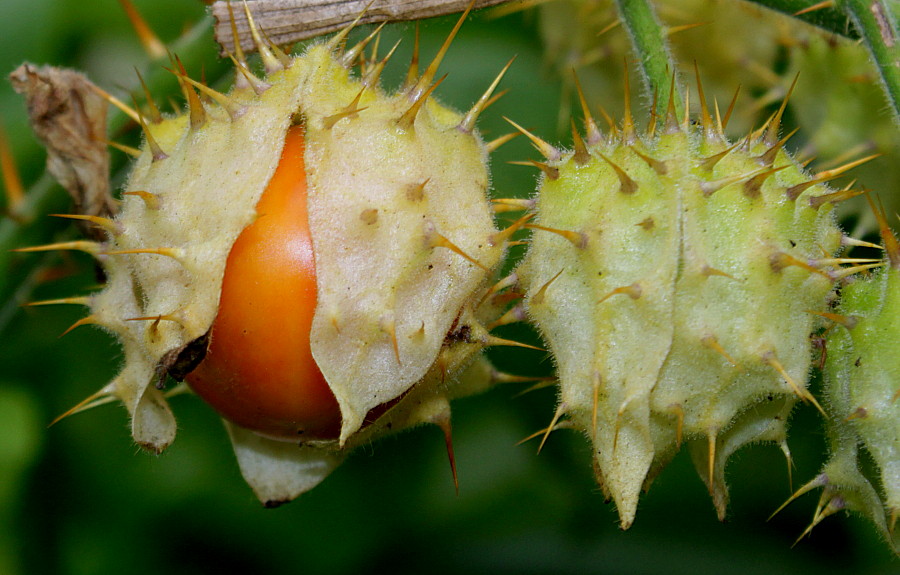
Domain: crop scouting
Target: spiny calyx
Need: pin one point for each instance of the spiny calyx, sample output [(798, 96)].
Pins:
[(672, 274)]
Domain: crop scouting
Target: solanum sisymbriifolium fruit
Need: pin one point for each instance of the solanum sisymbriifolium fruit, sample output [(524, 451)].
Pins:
[(310, 252), (675, 276)]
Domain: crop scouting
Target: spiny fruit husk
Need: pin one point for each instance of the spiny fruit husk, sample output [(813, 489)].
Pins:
[(672, 274), (403, 235), (862, 393)]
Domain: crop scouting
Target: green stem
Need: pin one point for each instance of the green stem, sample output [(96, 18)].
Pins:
[(649, 39), (827, 18), (877, 24)]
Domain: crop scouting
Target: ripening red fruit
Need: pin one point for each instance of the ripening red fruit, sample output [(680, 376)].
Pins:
[(259, 371)]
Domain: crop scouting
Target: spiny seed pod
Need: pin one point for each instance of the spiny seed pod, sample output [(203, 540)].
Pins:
[(862, 393), (399, 243), (672, 275)]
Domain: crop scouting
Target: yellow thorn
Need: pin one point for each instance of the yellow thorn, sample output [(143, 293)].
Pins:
[(671, 114), (503, 235), (658, 166), (827, 175), (672, 30), (353, 53), (97, 399), (173, 253), (75, 300), (628, 134), (338, 39), (780, 260), (538, 297), (270, 62), (155, 115), (768, 157), (753, 186), (150, 200), (389, 326), (848, 241), (158, 318), (12, 181), (712, 343), (548, 151), (723, 124), (543, 382), (434, 239), (240, 82), (592, 132), (155, 150), (816, 482), (374, 73), (258, 86), (678, 410), (468, 122), (844, 272), (560, 410), (512, 204), (775, 124), (133, 152), (581, 155), (515, 314), (492, 146), (350, 111), (634, 291), (711, 441), (814, 7), (705, 119), (835, 197), (710, 271), (107, 224), (891, 246), (627, 186), (408, 118), (578, 239), (710, 162), (126, 109), (443, 422), (823, 509), (509, 281), (412, 74), (804, 394), (234, 109), (88, 320), (80, 245), (418, 91), (150, 41), (549, 171), (492, 341)]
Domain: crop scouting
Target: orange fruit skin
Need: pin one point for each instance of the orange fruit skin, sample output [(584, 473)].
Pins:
[(259, 372)]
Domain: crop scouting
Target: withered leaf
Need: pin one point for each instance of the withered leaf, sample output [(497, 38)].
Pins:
[(69, 117)]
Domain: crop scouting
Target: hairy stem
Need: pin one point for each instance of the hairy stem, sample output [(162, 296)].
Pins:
[(650, 42), (877, 24)]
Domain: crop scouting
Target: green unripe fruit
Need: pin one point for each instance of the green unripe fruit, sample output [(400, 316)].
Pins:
[(675, 293)]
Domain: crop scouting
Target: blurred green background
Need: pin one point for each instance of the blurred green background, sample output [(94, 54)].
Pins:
[(80, 498)]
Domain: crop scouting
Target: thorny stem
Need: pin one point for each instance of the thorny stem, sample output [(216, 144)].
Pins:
[(650, 42), (877, 24), (28, 227)]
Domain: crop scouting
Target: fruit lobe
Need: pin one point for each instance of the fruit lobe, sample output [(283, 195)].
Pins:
[(259, 371)]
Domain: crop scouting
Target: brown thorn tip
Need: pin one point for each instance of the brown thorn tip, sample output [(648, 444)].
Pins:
[(428, 76), (444, 423), (577, 239), (548, 151), (407, 120), (468, 122), (234, 109), (775, 125), (549, 171), (592, 132), (494, 341), (149, 40), (705, 119), (827, 175)]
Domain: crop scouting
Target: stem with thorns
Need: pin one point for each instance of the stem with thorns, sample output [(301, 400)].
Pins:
[(651, 46)]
